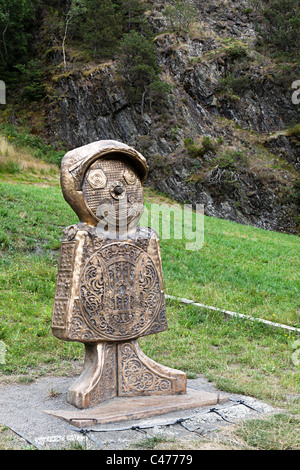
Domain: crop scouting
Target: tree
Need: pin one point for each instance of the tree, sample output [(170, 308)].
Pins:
[(136, 49), (280, 23), (158, 91), (16, 23), (133, 16), (180, 14), (138, 67), (33, 87), (103, 27), (77, 8), (137, 59)]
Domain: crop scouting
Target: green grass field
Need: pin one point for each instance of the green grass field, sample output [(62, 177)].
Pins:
[(239, 268)]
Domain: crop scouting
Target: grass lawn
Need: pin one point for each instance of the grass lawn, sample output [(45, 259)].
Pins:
[(239, 268)]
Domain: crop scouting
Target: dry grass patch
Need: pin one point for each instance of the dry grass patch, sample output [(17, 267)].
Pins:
[(11, 441), (17, 163)]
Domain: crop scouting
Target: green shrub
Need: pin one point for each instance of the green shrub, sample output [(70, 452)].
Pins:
[(32, 86), (162, 164), (10, 167), (138, 66), (294, 131), (280, 23), (102, 28), (180, 14), (37, 146), (230, 159), (238, 84), (207, 145), (237, 52)]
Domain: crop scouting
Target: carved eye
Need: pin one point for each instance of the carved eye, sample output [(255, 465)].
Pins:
[(130, 176), (97, 178)]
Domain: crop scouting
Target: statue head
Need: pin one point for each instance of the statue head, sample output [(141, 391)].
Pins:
[(102, 182)]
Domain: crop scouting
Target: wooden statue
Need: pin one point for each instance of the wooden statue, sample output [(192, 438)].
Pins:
[(109, 288)]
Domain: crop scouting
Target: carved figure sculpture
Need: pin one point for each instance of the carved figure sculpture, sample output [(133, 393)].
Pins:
[(109, 289)]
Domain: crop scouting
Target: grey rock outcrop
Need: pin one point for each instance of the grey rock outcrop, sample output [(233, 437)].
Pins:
[(219, 89)]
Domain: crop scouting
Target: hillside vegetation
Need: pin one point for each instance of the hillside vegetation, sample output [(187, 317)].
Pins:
[(202, 89)]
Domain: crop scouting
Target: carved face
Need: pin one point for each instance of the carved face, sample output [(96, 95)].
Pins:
[(113, 193)]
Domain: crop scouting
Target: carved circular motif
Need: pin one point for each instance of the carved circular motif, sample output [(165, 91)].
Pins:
[(130, 176), (105, 183), (112, 189), (97, 179), (120, 292)]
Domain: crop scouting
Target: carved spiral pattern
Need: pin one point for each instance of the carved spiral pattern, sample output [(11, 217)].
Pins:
[(130, 176), (120, 291), (97, 179), (137, 377)]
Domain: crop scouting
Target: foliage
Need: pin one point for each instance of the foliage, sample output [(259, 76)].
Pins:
[(161, 163), (133, 16), (10, 166), (34, 143), (137, 50), (158, 91), (100, 25), (230, 159), (16, 19), (33, 88), (77, 8), (280, 23), (207, 145), (17, 25), (294, 131), (180, 14), (237, 52), (103, 27), (138, 66), (236, 82)]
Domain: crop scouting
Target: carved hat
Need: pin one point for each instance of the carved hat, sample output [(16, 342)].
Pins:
[(76, 162)]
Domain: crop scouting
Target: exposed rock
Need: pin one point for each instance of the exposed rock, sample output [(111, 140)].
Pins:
[(218, 88)]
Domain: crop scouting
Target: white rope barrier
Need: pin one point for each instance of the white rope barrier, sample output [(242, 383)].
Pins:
[(230, 314)]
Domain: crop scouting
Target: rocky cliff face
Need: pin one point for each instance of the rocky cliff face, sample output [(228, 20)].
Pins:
[(231, 103)]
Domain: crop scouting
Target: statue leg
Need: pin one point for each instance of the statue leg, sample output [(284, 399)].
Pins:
[(140, 375), (98, 380), (122, 369)]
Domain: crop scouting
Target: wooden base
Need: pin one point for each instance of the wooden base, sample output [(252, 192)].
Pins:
[(129, 408), (123, 370)]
